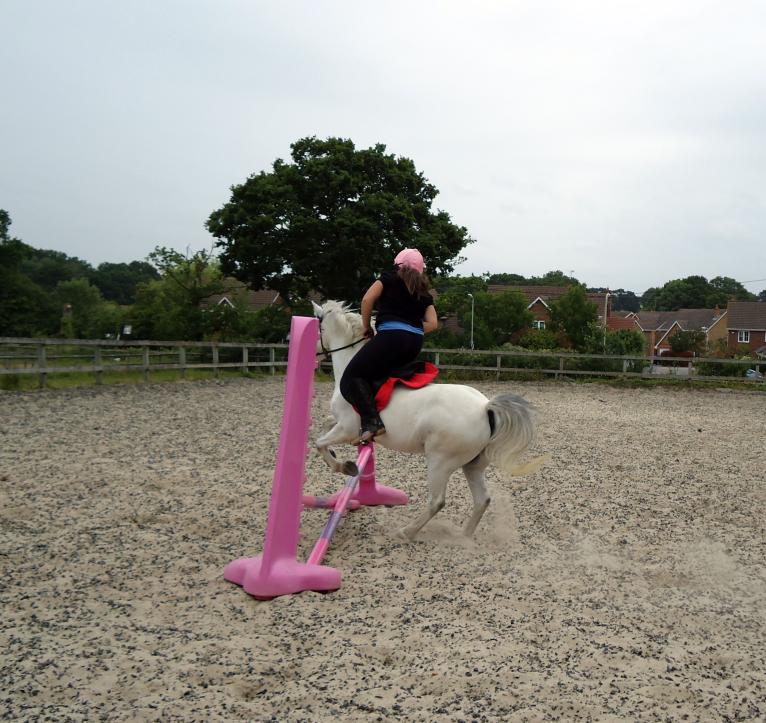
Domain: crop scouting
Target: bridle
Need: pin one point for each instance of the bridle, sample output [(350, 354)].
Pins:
[(327, 352)]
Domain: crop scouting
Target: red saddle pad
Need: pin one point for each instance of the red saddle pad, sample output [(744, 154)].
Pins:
[(417, 380)]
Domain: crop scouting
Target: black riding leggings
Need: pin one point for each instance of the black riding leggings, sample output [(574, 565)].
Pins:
[(386, 351)]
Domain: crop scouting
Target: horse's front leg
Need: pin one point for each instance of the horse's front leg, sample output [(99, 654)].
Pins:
[(339, 434)]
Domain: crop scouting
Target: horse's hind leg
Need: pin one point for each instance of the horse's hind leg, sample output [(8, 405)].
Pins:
[(438, 476), (474, 473)]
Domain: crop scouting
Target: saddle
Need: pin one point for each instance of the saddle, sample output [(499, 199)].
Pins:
[(414, 375)]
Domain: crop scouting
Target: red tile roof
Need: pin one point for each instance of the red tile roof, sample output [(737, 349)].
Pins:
[(686, 318), (749, 315), (616, 323)]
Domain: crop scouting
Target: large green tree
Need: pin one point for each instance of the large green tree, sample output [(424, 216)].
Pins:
[(26, 308), (171, 307), (118, 282), (48, 268), (496, 318), (453, 292), (625, 300), (331, 220), (550, 278), (695, 292), (724, 289), (86, 314), (573, 314)]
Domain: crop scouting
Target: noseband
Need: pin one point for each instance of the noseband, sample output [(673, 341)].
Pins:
[(327, 352)]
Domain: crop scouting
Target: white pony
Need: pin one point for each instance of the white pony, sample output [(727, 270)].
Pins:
[(453, 425)]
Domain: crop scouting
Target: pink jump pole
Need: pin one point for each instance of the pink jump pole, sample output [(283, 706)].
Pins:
[(277, 571), (341, 503)]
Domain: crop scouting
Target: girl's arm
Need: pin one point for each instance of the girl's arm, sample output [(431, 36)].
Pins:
[(430, 323), (368, 301)]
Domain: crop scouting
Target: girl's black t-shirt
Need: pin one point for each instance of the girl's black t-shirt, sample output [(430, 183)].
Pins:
[(397, 304)]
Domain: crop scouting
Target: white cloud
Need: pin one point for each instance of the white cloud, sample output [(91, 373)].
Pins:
[(622, 140)]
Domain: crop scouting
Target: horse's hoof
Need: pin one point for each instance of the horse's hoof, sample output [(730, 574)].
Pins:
[(349, 468), (402, 535)]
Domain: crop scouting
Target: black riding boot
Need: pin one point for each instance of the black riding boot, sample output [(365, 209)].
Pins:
[(364, 401)]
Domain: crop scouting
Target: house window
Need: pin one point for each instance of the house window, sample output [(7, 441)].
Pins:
[(538, 324), (743, 337)]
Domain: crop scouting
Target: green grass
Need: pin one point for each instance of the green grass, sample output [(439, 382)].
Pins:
[(29, 382)]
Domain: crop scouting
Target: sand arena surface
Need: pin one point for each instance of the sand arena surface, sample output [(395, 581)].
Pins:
[(625, 580)]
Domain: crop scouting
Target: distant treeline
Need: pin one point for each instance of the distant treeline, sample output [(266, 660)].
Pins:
[(48, 293)]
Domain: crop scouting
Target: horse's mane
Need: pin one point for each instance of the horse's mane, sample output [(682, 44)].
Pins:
[(344, 315)]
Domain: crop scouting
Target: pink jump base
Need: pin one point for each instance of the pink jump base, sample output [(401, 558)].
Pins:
[(285, 577), (376, 494)]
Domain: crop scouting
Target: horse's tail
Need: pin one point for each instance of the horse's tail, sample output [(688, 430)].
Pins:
[(512, 422)]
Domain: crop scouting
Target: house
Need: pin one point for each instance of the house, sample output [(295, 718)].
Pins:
[(237, 291), (659, 326), (746, 324), (539, 299)]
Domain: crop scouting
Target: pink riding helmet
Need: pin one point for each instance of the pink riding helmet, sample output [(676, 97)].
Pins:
[(412, 258)]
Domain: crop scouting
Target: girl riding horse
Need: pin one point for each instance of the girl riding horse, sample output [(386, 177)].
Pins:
[(405, 312)]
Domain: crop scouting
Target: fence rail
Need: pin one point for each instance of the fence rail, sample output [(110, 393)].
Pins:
[(39, 356), (24, 356)]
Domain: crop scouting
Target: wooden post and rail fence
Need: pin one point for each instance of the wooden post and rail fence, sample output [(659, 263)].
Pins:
[(44, 357)]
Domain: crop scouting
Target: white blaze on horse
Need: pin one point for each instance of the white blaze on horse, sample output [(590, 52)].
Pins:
[(453, 425)]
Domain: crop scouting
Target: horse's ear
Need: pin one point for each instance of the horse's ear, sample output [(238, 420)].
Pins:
[(317, 310)]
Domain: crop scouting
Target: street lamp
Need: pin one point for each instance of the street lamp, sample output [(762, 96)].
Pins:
[(471, 295)]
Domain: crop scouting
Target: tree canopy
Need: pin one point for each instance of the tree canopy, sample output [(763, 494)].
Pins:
[(695, 292), (550, 278), (685, 340), (331, 221), (171, 307), (496, 317), (572, 313), (117, 282), (26, 309)]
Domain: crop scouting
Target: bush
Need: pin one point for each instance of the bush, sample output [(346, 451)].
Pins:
[(711, 369), (10, 382), (687, 340), (539, 339)]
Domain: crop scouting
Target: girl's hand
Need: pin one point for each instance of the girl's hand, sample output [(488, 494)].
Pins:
[(367, 332)]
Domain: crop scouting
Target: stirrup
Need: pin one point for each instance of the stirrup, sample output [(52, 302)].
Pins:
[(369, 431)]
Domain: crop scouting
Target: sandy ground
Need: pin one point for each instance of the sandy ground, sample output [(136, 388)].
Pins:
[(625, 581)]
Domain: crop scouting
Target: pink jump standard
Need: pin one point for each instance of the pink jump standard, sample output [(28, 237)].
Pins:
[(277, 571)]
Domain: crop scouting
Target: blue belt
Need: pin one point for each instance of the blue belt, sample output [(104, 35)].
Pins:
[(399, 326)]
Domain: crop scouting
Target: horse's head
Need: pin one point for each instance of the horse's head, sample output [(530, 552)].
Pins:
[(338, 325)]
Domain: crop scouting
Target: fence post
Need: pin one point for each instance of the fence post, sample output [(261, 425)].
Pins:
[(244, 359), (498, 368), (436, 358), (41, 363), (624, 367), (97, 362), (145, 356), (271, 359), (182, 360), (215, 361), (561, 368)]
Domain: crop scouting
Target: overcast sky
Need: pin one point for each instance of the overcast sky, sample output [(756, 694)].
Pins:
[(624, 142)]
